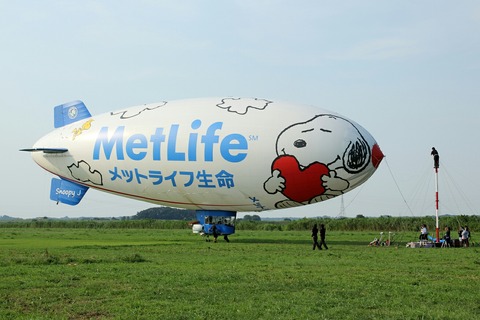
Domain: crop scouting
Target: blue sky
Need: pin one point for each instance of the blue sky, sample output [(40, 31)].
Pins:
[(407, 71)]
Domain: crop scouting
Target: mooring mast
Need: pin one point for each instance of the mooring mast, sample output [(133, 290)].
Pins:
[(436, 165)]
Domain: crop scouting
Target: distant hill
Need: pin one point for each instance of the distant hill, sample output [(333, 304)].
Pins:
[(165, 213), (7, 218)]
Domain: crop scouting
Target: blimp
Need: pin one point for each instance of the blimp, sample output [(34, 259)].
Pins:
[(217, 156)]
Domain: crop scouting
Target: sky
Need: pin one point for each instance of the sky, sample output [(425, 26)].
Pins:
[(407, 71)]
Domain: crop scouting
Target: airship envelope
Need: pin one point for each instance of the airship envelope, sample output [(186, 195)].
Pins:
[(214, 154)]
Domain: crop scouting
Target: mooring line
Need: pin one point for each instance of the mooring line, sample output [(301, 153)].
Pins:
[(398, 187)]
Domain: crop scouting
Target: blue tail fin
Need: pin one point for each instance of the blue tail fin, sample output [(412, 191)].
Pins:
[(70, 112), (66, 192)]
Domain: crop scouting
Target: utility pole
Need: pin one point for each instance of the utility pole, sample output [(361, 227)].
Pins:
[(342, 208)]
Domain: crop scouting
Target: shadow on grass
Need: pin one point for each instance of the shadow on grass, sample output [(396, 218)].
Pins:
[(233, 240), (295, 241)]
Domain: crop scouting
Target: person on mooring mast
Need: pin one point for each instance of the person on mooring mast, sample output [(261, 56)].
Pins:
[(436, 158)]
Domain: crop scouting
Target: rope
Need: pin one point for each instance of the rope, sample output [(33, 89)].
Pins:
[(356, 195), (452, 184), (398, 187)]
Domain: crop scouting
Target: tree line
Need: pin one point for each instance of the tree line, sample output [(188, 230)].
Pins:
[(394, 224)]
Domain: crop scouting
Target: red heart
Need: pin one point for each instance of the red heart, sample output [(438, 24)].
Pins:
[(300, 184)]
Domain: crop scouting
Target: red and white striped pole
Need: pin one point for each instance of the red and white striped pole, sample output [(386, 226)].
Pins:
[(437, 228), (436, 165)]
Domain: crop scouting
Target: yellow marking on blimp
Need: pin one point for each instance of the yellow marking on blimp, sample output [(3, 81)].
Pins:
[(78, 131)]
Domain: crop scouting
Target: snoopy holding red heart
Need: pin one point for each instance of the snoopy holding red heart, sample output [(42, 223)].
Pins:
[(316, 160)]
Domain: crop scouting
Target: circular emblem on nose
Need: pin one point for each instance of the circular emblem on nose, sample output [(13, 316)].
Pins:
[(72, 112)]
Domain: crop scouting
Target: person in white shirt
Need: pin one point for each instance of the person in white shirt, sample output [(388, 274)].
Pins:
[(465, 237), (423, 232)]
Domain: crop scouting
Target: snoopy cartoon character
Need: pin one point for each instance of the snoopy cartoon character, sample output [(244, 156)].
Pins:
[(315, 160)]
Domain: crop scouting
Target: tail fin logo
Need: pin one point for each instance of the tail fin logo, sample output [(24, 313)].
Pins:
[(72, 112)]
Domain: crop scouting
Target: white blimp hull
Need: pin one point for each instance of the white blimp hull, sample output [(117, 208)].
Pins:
[(232, 154)]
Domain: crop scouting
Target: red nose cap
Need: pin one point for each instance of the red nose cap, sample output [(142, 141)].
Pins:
[(377, 155)]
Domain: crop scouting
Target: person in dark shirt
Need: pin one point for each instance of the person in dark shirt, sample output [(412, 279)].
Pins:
[(315, 237), (436, 158), (214, 232), (322, 236), (447, 237)]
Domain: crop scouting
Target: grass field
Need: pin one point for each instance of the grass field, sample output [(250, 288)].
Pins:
[(173, 274)]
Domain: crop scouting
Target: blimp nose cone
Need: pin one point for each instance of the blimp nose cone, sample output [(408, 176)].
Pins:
[(377, 155)]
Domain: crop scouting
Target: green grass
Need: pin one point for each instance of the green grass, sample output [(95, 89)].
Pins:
[(173, 274)]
